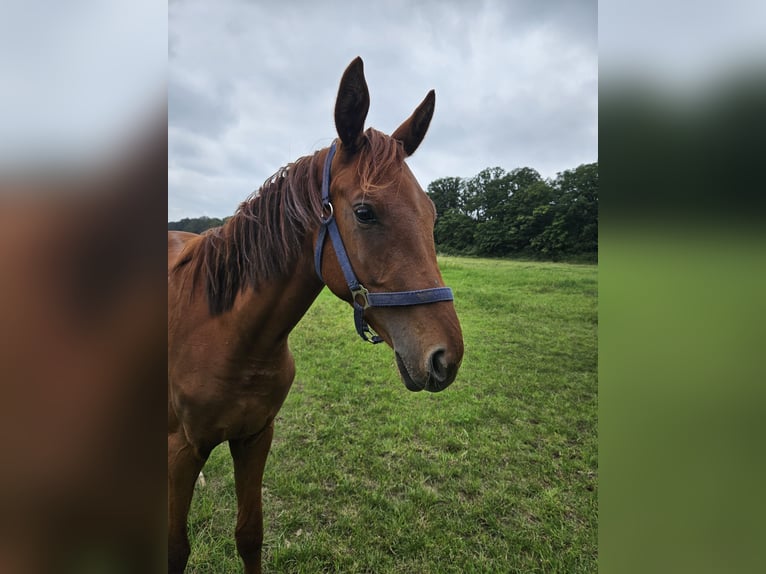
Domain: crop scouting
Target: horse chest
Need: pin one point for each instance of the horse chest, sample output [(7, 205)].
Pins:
[(238, 401)]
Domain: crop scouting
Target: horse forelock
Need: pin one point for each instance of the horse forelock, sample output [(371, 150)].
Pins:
[(381, 161)]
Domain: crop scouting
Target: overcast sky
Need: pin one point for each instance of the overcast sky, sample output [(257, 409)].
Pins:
[(251, 83), (252, 87), (77, 77)]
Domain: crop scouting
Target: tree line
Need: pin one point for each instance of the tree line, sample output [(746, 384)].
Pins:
[(196, 224), (500, 213)]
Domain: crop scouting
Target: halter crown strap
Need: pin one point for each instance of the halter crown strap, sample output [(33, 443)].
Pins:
[(361, 297), (326, 207)]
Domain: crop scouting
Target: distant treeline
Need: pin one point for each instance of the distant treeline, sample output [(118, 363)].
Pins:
[(504, 214), (196, 224), (518, 213)]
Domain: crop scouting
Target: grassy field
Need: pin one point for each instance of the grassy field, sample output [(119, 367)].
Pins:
[(498, 473)]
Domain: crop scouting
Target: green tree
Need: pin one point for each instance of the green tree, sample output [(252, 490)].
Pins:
[(446, 193), (484, 192), (531, 211), (504, 205), (578, 204), (455, 232), (573, 228)]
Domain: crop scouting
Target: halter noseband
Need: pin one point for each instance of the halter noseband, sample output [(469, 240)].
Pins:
[(361, 297)]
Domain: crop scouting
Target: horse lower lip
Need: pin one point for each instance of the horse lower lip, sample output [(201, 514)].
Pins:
[(434, 387), (408, 380)]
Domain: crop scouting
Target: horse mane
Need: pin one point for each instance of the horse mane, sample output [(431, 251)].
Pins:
[(264, 238)]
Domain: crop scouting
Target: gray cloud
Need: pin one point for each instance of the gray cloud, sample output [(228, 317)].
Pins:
[(197, 111), (252, 87)]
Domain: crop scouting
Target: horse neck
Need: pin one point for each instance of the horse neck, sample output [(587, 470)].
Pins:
[(266, 316), (269, 314)]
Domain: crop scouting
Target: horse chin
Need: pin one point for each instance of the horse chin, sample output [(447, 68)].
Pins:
[(409, 382)]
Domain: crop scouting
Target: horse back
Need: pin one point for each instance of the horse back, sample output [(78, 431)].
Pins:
[(179, 242)]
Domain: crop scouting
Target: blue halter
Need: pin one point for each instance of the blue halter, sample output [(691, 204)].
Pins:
[(362, 299)]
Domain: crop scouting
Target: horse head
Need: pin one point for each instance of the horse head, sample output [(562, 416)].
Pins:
[(386, 222)]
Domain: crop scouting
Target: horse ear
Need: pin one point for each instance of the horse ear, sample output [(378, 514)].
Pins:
[(352, 105), (414, 128)]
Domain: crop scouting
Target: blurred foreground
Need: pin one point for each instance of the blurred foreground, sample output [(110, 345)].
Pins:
[(682, 277), (83, 163), (82, 360)]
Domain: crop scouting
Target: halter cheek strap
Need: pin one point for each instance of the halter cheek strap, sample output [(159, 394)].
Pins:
[(361, 297)]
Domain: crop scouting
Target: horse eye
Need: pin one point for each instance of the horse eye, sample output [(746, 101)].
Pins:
[(364, 214)]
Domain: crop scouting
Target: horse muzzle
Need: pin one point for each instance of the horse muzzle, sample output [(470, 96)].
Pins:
[(435, 375)]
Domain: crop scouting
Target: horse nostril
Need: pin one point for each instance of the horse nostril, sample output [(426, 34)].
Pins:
[(439, 367)]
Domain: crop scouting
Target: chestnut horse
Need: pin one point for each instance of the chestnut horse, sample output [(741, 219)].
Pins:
[(352, 217)]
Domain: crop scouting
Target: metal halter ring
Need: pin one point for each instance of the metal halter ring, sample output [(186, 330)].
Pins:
[(332, 212)]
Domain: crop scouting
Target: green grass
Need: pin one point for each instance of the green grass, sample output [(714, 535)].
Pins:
[(498, 473)]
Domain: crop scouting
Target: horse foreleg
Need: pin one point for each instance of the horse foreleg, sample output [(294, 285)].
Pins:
[(249, 456), (184, 465)]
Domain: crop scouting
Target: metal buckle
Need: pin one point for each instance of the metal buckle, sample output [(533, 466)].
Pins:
[(361, 292)]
